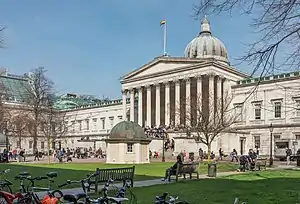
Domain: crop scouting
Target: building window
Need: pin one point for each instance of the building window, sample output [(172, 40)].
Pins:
[(87, 124), (297, 108), (277, 109), (30, 144), (238, 109), (277, 137), (298, 137), (80, 125), (120, 117), (257, 141), (42, 145), (73, 126), (111, 122), (95, 123), (103, 123), (129, 147), (257, 111)]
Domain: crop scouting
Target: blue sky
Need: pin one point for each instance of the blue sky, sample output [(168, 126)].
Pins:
[(87, 47)]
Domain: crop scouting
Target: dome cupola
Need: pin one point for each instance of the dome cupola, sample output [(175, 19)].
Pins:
[(206, 46)]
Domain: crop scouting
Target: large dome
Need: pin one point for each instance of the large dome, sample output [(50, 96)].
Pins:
[(127, 130), (206, 46)]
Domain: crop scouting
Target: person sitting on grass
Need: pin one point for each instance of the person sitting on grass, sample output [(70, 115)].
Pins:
[(172, 170)]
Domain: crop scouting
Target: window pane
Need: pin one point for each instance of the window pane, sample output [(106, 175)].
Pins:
[(277, 109)]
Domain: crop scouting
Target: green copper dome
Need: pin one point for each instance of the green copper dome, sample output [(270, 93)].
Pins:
[(127, 130)]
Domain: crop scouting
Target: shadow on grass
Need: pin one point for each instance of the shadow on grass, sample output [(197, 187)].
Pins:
[(268, 187)]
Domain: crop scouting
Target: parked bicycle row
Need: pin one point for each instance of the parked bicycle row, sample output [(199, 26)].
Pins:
[(30, 193)]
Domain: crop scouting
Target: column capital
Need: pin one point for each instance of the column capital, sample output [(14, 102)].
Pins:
[(188, 80), (176, 80), (211, 74), (124, 91), (157, 86)]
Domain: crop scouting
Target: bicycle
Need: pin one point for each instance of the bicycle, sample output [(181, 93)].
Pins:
[(49, 176), (4, 183), (8, 197), (163, 199), (76, 199)]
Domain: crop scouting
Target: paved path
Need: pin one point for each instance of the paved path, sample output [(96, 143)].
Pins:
[(160, 182)]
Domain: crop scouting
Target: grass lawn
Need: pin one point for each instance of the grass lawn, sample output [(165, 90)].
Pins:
[(267, 187), (77, 171)]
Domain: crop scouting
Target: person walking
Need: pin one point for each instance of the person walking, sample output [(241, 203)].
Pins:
[(288, 156)]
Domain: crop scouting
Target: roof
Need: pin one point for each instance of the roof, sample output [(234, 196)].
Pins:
[(13, 87), (127, 130)]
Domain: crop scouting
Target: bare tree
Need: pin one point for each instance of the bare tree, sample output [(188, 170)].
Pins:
[(208, 117), (54, 123), (277, 23), (20, 126), (39, 89)]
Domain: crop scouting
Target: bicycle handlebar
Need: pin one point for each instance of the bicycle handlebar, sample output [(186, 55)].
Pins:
[(4, 171)]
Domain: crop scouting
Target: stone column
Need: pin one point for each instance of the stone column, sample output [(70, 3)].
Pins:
[(140, 108), (177, 103), (149, 105), (157, 106), (167, 103), (199, 96), (132, 105), (211, 95), (124, 98), (188, 101), (219, 91)]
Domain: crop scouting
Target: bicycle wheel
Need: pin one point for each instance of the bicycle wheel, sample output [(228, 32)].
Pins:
[(3, 200), (57, 194), (6, 188)]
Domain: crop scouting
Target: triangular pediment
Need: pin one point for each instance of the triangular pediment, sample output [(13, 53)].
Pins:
[(160, 65)]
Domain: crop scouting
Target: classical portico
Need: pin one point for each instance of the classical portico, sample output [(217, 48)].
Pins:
[(166, 90)]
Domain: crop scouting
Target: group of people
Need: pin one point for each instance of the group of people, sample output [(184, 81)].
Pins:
[(155, 132)]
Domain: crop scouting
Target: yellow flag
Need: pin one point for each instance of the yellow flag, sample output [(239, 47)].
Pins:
[(163, 22)]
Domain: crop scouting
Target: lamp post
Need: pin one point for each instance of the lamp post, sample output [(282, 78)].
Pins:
[(271, 144)]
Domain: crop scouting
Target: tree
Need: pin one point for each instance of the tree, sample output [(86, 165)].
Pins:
[(207, 122), (53, 123), (277, 22), (20, 126), (39, 89)]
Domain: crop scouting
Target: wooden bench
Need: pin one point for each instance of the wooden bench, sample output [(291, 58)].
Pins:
[(261, 163), (116, 174), (186, 168)]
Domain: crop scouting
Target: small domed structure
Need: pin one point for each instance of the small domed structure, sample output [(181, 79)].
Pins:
[(127, 144), (205, 45), (127, 130)]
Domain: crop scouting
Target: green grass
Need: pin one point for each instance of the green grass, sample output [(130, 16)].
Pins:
[(77, 171), (267, 187)]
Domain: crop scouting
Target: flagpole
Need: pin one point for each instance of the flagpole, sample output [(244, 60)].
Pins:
[(165, 38)]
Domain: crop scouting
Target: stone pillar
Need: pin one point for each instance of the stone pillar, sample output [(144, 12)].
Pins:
[(149, 105), (199, 96), (157, 106), (124, 98), (211, 95), (167, 103), (132, 105), (188, 102), (177, 103), (219, 91), (140, 108)]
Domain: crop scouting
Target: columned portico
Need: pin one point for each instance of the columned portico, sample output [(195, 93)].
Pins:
[(177, 103), (214, 99), (148, 105), (167, 103), (132, 91), (188, 101), (157, 112), (140, 108), (124, 100)]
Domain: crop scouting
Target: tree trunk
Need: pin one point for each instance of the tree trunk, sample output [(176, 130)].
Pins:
[(49, 157), (208, 152)]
